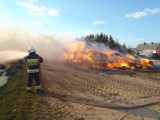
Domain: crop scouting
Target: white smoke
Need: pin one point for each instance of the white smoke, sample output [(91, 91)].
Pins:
[(14, 44), (11, 55)]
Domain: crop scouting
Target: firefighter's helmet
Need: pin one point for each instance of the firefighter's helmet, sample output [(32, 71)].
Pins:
[(31, 49)]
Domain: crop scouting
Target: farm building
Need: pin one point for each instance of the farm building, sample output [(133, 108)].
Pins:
[(151, 50)]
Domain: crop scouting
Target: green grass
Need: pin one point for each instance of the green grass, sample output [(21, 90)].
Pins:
[(9, 94), (15, 103)]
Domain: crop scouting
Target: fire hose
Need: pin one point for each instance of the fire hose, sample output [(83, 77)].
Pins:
[(53, 94)]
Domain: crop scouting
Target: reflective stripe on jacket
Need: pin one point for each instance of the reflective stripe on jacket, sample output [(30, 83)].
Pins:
[(33, 71), (32, 60), (33, 65)]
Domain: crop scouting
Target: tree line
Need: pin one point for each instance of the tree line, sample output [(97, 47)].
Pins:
[(106, 40)]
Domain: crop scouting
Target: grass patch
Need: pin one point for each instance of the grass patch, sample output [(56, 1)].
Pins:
[(15, 103), (9, 94)]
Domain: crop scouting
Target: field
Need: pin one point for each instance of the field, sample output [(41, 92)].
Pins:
[(103, 87)]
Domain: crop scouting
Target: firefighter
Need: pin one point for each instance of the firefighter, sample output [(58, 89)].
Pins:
[(33, 60)]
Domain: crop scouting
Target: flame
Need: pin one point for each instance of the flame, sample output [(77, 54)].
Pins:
[(144, 63), (78, 52)]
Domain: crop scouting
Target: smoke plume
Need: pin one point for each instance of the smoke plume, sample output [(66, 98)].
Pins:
[(14, 44)]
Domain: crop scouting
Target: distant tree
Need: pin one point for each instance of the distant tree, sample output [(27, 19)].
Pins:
[(89, 38), (103, 38), (112, 43), (130, 51), (124, 46)]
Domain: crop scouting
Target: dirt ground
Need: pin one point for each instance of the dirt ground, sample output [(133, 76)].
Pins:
[(106, 87)]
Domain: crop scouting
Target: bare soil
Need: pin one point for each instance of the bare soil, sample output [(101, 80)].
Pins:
[(106, 87)]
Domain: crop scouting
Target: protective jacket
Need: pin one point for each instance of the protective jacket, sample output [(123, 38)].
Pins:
[(32, 60)]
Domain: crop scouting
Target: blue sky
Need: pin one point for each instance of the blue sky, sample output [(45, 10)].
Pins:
[(128, 21)]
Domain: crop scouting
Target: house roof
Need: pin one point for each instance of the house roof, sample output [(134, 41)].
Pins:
[(133, 49), (152, 46)]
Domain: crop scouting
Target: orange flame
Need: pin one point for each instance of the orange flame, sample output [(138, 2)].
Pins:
[(78, 52)]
